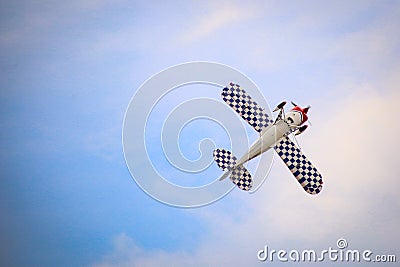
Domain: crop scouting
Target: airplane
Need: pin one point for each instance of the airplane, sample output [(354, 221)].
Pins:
[(273, 134)]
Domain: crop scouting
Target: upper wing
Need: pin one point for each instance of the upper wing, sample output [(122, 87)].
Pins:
[(305, 173), (247, 108)]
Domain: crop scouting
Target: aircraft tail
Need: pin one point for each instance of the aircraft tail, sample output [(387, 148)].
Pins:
[(239, 175)]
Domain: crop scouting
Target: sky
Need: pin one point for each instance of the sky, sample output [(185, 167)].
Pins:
[(69, 69)]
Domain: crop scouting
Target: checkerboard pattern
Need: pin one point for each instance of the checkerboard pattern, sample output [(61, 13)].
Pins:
[(224, 159), (246, 107), (306, 174), (240, 176)]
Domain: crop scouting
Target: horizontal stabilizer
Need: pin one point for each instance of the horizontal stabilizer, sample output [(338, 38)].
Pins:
[(239, 175)]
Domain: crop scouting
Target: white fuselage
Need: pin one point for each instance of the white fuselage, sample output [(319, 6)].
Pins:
[(272, 135)]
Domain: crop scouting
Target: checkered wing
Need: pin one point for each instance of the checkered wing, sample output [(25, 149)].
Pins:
[(246, 107), (306, 174)]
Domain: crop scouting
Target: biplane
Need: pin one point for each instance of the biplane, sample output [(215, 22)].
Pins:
[(273, 134)]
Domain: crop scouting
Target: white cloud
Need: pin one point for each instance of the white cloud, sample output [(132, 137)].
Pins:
[(127, 253)]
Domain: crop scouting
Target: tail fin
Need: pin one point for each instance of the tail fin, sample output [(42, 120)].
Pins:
[(239, 175)]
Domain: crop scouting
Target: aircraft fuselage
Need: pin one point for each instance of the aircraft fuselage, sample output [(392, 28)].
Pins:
[(271, 136)]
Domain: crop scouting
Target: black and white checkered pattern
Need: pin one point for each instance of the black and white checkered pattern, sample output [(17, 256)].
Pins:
[(240, 175), (305, 173), (224, 159), (246, 107)]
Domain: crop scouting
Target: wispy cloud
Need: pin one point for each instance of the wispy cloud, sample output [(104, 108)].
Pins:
[(127, 253), (325, 34), (217, 16)]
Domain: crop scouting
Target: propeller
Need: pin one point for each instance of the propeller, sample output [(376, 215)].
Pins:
[(293, 103), (305, 111)]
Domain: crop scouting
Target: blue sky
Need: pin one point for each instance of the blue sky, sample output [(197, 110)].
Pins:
[(68, 71)]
